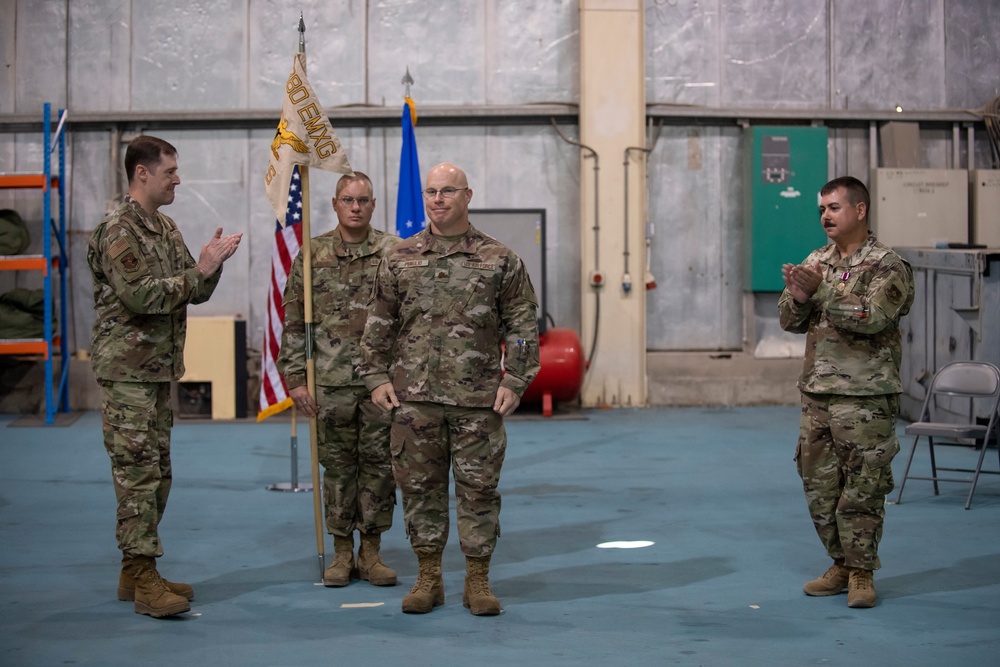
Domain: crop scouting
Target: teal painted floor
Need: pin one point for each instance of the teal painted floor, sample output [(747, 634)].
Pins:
[(715, 490)]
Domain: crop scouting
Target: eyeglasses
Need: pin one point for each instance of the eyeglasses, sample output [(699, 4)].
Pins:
[(349, 201), (447, 193)]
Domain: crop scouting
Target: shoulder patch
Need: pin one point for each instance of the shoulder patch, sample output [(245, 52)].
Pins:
[(119, 246), (130, 262)]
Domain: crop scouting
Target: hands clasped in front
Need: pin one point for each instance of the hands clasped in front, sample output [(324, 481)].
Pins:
[(801, 281)]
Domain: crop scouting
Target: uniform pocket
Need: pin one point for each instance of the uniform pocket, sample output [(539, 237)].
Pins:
[(477, 303), (326, 279), (498, 443), (881, 456), (397, 440), (130, 409)]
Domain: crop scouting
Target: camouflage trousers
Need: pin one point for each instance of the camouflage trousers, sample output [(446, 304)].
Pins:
[(136, 419), (845, 450), (428, 440), (353, 443)]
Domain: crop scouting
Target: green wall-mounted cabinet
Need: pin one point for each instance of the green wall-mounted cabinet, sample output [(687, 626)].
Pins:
[(785, 168)]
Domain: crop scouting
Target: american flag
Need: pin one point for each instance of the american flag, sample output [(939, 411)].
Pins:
[(287, 241)]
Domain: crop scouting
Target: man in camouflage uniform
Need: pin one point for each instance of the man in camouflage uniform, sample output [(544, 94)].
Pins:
[(144, 279), (358, 489), (444, 302), (847, 298)]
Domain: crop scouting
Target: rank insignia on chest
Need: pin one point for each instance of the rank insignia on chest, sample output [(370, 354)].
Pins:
[(441, 274)]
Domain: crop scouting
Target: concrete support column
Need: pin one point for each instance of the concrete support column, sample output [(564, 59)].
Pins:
[(612, 120)]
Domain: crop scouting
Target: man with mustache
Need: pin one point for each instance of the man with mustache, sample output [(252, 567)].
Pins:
[(847, 298)]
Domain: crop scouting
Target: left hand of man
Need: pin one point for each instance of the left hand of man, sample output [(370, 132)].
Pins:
[(506, 402)]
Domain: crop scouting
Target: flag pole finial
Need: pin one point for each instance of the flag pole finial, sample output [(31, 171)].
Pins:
[(302, 34), (407, 81)]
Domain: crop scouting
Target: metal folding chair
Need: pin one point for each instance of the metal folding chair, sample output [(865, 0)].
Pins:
[(975, 380)]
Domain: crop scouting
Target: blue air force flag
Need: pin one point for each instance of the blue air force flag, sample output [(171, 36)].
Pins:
[(409, 201)]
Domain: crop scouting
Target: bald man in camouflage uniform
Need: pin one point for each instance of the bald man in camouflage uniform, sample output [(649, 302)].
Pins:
[(359, 493), (444, 301), (144, 279), (847, 298)]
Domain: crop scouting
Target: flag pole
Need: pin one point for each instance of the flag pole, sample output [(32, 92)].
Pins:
[(308, 317)]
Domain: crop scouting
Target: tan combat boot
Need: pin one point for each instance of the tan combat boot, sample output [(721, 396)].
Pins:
[(371, 568), (478, 598), (152, 597), (832, 582), (126, 582), (861, 589), (340, 570), (428, 592)]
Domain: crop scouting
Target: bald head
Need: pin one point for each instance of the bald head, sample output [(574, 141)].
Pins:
[(446, 169), (448, 209)]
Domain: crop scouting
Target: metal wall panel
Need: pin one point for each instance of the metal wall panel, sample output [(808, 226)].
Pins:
[(39, 56), (970, 36), (189, 55), (335, 48), (682, 52), (884, 55), (696, 243), (89, 198), (99, 63), (774, 55), (849, 153), (442, 42), (8, 46), (532, 58)]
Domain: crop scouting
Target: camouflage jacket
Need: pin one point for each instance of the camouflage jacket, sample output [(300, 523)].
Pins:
[(342, 282), (144, 279), (438, 315), (852, 321)]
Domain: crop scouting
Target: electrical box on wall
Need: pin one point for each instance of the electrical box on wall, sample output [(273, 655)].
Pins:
[(923, 208), (985, 185), (784, 170)]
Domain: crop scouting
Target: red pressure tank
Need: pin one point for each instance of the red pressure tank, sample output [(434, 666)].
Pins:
[(560, 378)]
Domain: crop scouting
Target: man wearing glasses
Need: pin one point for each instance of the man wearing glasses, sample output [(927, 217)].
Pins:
[(353, 435), (445, 300)]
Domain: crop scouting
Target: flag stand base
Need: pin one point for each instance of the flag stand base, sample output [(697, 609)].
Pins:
[(287, 487), (293, 486)]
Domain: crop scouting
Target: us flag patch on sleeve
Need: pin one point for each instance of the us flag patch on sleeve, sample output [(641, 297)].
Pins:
[(118, 247)]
